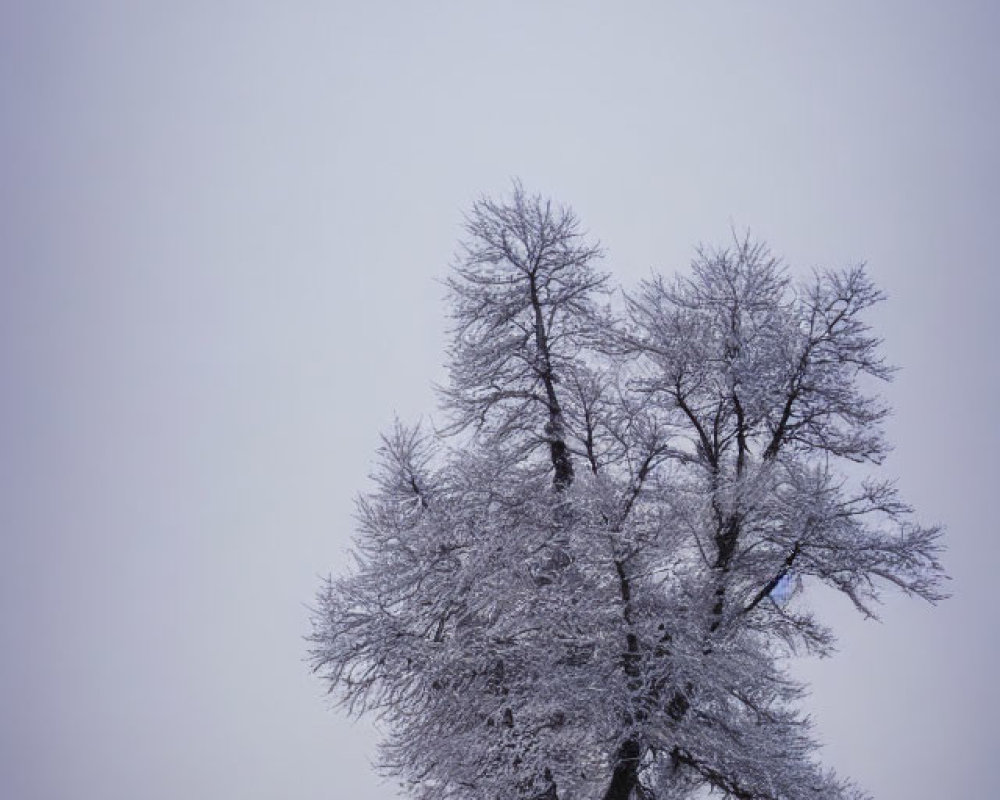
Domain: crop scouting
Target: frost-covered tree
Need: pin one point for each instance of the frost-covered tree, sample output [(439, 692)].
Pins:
[(587, 585)]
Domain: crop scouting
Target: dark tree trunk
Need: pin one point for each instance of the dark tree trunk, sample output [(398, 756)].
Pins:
[(558, 451), (626, 773)]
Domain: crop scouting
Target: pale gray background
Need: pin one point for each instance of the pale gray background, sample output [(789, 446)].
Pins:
[(220, 230)]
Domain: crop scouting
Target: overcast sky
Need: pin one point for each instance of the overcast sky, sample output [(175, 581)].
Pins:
[(222, 229)]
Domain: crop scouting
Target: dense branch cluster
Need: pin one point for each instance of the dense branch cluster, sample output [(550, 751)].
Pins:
[(585, 587)]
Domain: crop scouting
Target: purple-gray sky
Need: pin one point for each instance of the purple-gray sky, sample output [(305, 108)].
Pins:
[(220, 229)]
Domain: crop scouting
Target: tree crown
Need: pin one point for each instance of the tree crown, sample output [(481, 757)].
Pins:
[(586, 585)]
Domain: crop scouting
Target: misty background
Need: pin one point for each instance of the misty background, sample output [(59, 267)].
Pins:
[(222, 232)]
